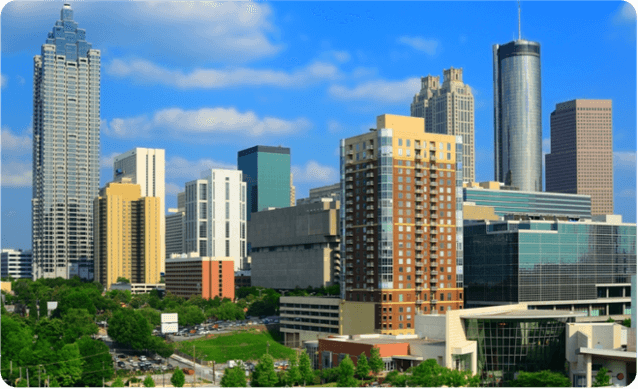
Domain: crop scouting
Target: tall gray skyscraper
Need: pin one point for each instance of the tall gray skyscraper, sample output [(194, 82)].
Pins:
[(448, 109), (518, 134), (66, 148)]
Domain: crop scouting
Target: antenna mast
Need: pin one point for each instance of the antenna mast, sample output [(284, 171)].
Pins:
[(519, 20)]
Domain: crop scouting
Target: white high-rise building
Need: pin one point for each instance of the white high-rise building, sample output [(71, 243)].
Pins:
[(215, 224), (448, 109), (146, 168), (66, 148), (16, 263)]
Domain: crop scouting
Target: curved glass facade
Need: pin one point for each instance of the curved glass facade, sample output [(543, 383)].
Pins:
[(517, 115)]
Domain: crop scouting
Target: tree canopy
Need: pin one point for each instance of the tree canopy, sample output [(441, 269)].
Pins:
[(543, 378), (178, 379), (264, 375), (602, 378), (346, 373), (234, 378)]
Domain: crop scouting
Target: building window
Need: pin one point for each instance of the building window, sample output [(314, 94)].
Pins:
[(227, 190), (227, 229), (228, 248), (227, 210)]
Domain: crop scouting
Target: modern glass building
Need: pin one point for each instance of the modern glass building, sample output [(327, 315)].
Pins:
[(517, 115), (267, 176), (582, 266), (66, 148), (530, 203)]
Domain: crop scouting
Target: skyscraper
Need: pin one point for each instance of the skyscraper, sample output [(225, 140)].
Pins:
[(517, 115), (145, 167), (581, 161), (266, 172), (127, 235), (66, 148), (215, 223), (403, 211), (449, 110)]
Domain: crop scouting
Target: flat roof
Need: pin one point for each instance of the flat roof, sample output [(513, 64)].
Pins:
[(612, 354), (373, 341), (525, 314)]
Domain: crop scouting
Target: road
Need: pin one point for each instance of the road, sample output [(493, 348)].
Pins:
[(204, 372)]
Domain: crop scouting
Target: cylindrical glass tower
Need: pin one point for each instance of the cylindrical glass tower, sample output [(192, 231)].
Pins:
[(517, 115)]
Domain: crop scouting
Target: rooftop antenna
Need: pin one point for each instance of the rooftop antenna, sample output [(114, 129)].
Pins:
[(519, 20)]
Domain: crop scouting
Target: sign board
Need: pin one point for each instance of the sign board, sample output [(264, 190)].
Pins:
[(169, 328), (51, 305), (169, 317)]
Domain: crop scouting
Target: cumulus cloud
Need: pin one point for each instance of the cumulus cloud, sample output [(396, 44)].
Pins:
[(178, 167), (428, 46), (201, 122), (4, 80), (625, 160), (313, 172), (17, 174), (194, 32), (14, 144), (379, 91), (626, 14), (142, 71), (334, 126), (340, 56), (173, 189), (106, 161)]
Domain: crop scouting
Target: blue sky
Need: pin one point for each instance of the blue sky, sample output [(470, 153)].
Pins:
[(204, 80)]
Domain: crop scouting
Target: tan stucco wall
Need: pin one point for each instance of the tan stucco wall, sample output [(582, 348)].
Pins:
[(479, 212), (356, 318)]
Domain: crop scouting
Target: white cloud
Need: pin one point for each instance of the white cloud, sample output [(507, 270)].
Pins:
[(142, 71), (21, 80), (379, 90), (106, 161), (626, 14), (547, 146), (313, 172), (334, 126), (178, 167), (364, 72), (4, 80), (428, 46), (14, 144), (625, 160), (628, 193), (173, 189), (228, 32), (17, 174), (201, 122), (341, 56)]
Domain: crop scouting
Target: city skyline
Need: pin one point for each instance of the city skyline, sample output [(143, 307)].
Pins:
[(304, 76)]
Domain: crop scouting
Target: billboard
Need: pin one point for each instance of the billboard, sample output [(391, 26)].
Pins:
[(51, 305), (169, 328), (169, 317)]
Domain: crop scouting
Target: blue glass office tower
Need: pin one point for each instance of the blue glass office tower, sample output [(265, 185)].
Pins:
[(66, 148), (266, 172), (517, 115)]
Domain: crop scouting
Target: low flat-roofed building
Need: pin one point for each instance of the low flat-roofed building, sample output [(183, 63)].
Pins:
[(208, 277), (17, 263), (592, 346), (242, 279), (324, 192), (313, 317), (295, 246)]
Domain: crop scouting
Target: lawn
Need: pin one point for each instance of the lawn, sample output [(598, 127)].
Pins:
[(239, 345)]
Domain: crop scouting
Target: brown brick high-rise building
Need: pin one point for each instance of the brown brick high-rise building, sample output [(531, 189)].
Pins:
[(581, 158), (402, 206)]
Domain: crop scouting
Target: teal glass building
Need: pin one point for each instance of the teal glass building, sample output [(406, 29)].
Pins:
[(530, 203), (266, 172), (582, 266)]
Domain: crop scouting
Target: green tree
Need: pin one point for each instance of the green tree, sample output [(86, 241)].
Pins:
[(305, 371), (96, 361), (118, 383), (264, 374), (148, 382), (178, 379), (627, 323), (602, 378), (15, 337), (611, 320), (363, 369), (160, 346), (78, 299), (395, 379), (346, 373), (69, 370), (293, 375), (152, 315), (543, 378), (130, 328), (376, 363), (234, 378), (120, 296), (78, 322), (122, 279)]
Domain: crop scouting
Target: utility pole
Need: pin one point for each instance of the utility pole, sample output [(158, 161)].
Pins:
[(213, 371), (102, 373), (267, 347), (39, 366), (11, 367), (194, 368), (28, 378)]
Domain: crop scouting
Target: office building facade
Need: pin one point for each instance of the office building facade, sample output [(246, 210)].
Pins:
[(208, 277), (323, 192), (403, 221), (175, 226), (584, 266), (145, 167), (448, 109), (16, 263), (517, 115), (66, 148), (127, 235), (296, 246), (581, 160), (508, 202), (215, 215), (266, 172)]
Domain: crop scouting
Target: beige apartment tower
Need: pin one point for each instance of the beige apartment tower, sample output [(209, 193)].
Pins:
[(403, 210), (581, 161), (448, 109), (127, 235)]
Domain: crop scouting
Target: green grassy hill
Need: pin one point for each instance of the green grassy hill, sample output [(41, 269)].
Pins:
[(240, 345)]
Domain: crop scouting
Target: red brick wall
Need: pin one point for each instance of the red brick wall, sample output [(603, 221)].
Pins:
[(354, 349)]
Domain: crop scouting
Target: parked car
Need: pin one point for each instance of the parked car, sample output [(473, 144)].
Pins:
[(170, 367), (122, 356), (121, 365), (142, 358)]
